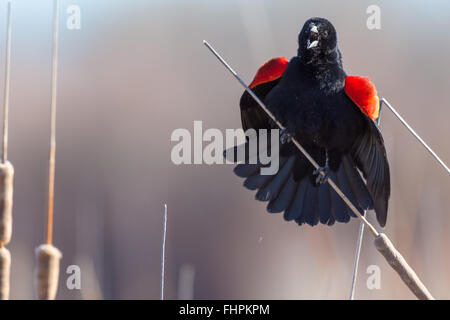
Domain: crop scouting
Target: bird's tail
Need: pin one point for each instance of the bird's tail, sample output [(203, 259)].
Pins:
[(303, 200)]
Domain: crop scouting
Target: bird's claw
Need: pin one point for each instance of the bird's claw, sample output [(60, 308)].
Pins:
[(285, 137), (322, 174)]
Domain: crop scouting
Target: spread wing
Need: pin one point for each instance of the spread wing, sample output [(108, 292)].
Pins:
[(252, 116), (267, 77), (368, 151)]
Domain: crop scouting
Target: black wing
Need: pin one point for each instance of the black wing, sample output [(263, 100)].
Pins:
[(252, 116), (370, 157)]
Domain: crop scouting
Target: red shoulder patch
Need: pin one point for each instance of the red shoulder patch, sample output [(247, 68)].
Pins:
[(363, 93), (269, 71)]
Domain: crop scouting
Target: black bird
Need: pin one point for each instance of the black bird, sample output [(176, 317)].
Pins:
[(331, 115)]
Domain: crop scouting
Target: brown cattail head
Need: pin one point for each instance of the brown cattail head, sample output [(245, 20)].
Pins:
[(5, 268), (6, 201), (47, 271)]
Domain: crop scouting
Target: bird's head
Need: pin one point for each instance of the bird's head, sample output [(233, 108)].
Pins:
[(317, 39)]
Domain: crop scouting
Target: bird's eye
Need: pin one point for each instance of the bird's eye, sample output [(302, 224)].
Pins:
[(325, 33)]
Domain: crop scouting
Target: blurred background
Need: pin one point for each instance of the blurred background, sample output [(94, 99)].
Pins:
[(136, 71)]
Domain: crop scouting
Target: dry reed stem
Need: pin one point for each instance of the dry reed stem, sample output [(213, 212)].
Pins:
[(356, 263), (398, 263), (5, 270), (47, 256), (6, 201), (6, 174), (7, 84), (163, 253), (47, 271), (415, 134), (52, 151), (360, 234), (51, 196)]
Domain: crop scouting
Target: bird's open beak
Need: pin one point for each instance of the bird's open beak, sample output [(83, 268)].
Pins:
[(314, 36), (313, 44)]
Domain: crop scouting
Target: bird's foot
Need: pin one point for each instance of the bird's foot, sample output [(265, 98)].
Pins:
[(285, 137), (322, 174)]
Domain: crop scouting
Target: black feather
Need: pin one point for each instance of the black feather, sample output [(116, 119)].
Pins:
[(273, 188), (285, 197), (310, 212), (295, 209), (324, 203), (357, 185), (369, 154), (344, 185), (339, 207)]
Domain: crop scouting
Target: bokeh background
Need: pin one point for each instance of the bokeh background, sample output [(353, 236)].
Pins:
[(136, 71)]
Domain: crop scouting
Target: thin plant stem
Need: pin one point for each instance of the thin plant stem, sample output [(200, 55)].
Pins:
[(7, 84), (415, 134), (163, 252), (7, 88), (51, 161), (360, 237), (356, 264)]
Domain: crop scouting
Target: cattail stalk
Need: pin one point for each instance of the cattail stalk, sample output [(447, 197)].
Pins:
[(7, 84), (47, 256), (52, 151), (47, 271), (399, 264), (6, 174), (5, 269), (6, 200), (6, 169)]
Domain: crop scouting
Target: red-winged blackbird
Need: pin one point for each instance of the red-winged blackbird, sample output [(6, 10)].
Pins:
[(331, 115)]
